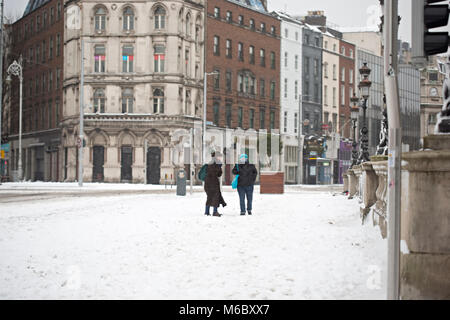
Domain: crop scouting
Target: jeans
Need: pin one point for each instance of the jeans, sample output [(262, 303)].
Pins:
[(207, 209), (245, 191)]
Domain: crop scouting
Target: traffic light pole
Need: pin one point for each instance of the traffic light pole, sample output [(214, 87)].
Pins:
[(1, 85), (394, 160)]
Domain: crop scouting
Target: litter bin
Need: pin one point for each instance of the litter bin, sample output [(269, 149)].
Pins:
[(181, 183)]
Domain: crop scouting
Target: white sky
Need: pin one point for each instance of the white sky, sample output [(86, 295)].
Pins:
[(345, 13)]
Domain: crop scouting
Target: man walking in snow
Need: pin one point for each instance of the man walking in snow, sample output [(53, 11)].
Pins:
[(247, 175), (212, 184)]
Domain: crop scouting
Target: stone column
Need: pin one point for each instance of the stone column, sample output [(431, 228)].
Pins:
[(425, 221), (345, 178), (379, 215), (359, 181), (369, 188), (352, 183)]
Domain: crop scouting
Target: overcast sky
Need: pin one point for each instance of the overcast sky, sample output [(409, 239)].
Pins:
[(344, 13)]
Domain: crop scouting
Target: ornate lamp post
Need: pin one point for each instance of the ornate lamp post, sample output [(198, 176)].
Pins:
[(354, 112), (364, 88), (15, 69)]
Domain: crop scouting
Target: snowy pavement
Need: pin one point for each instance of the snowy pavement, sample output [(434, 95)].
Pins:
[(300, 245)]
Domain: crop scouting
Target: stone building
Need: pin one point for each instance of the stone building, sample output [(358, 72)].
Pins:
[(243, 49), (143, 76), (37, 43)]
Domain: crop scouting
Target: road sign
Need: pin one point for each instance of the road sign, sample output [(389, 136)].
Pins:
[(2, 154)]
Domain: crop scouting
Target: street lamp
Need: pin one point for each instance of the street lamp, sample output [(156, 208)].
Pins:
[(354, 113), (15, 69), (364, 88), (204, 110)]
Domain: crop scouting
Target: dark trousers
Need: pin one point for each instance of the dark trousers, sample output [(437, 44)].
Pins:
[(245, 191), (207, 209)]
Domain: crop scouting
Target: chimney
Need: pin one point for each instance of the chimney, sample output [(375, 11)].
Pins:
[(316, 18)]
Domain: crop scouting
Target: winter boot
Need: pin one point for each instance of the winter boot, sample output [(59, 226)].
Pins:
[(216, 214), (249, 213), (242, 213)]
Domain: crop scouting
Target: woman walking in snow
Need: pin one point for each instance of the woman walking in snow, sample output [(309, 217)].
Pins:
[(212, 184), (247, 175)]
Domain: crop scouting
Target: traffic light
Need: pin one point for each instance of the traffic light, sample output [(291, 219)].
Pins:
[(427, 15)]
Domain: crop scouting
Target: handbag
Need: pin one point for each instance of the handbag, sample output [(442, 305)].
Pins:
[(234, 184)]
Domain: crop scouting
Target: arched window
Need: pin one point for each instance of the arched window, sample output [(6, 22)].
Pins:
[(127, 100), (158, 101), (128, 19), (180, 21), (99, 100), (100, 58), (100, 19), (160, 18), (188, 24)]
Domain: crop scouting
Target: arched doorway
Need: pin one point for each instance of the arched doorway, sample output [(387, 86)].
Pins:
[(98, 162), (153, 165)]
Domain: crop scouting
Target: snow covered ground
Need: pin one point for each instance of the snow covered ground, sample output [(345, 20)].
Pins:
[(300, 245)]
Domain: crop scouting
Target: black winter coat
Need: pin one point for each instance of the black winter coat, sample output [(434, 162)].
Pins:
[(247, 174), (212, 186)]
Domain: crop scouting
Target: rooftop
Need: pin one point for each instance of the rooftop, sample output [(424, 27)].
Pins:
[(33, 5)]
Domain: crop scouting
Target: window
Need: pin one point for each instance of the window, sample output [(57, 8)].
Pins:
[(228, 79), (285, 121), (262, 55), (100, 58), (159, 58), (350, 91), (58, 44), (272, 90), (286, 59), (295, 122), (306, 38), (45, 20), (50, 114), (317, 39), (38, 23), (263, 27), (433, 76), (306, 67), (240, 117), (217, 13), (216, 48), (252, 24), (127, 100), (158, 101), (188, 25), (296, 62), (334, 97), (262, 87), (31, 55), (325, 44), (351, 53), (127, 58), (58, 78), (262, 118), (217, 80), (252, 85), (286, 33), (343, 74), (325, 69), (342, 95), (334, 72), (251, 118), (241, 20), (216, 113), (316, 92), (316, 67), (285, 87), (228, 49), (52, 15), (57, 111), (160, 18), (273, 30), (240, 51), (50, 80), (228, 117), (296, 90), (350, 80), (325, 95), (251, 53), (100, 19), (343, 50), (272, 119), (229, 17), (187, 56), (50, 49), (128, 19), (58, 10), (44, 51), (99, 100), (241, 83)]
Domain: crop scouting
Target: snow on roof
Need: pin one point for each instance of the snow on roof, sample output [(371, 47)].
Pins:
[(33, 5), (252, 4), (358, 29)]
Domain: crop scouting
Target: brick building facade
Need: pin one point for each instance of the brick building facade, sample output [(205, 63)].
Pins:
[(243, 45), (346, 85), (37, 41)]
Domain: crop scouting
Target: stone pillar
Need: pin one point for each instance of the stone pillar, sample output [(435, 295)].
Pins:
[(359, 181), (368, 188), (111, 167), (345, 178), (352, 183), (138, 166), (379, 215), (425, 221)]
